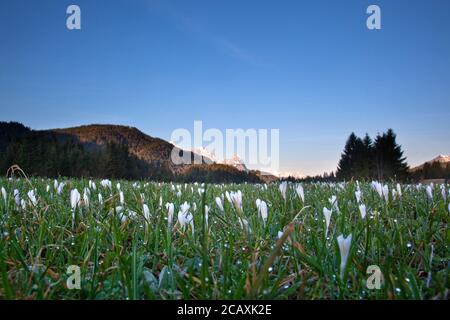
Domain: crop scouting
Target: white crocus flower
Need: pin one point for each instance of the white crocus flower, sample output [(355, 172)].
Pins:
[(185, 218), (283, 189), (300, 192), (32, 197), (86, 194), (185, 207), (362, 210), (100, 199), (170, 210), (146, 212), (23, 204), (378, 188), (262, 210), (399, 190), (60, 188), (74, 198), (227, 194), (430, 192), (358, 196), (55, 184), (327, 214), (47, 189), (236, 198), (121, 197), (123, 217), (443, 193), (4, 194), (280, 234), (105, 183), (17, 197), (219, 204), (386, 192), (344, 249)]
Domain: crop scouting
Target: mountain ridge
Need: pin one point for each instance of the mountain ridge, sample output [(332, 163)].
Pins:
[(149, 153)]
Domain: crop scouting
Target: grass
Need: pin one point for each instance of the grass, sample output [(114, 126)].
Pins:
[(135, 258)]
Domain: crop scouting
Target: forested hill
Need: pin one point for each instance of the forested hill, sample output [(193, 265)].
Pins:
[(103, 151), (144, 147)]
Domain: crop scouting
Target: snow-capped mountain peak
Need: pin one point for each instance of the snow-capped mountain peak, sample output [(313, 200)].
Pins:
[(236, 162), (441, 159), (204, 153)]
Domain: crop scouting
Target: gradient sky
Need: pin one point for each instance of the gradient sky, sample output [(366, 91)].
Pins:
[(310, 68)]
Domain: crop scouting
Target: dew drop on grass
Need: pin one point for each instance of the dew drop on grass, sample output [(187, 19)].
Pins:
[(270, 269), (398, 290), (408, 245)]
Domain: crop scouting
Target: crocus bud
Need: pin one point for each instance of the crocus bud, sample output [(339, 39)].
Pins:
[(344, 249)]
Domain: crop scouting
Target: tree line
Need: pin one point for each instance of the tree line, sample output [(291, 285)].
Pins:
[(380, 159)]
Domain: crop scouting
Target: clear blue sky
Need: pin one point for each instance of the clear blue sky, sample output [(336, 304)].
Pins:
[(310, 68)]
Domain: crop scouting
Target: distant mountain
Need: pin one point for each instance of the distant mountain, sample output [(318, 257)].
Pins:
[(442, 160), (235, 162), (437, 168), (106, 150), (152, 150), (291, 174)]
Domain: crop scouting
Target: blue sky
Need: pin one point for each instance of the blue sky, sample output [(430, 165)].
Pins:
[(309, 68)]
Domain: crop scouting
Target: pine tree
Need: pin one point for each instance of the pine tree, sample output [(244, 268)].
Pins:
[(349, 157), (367, 158), (389, 160)]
